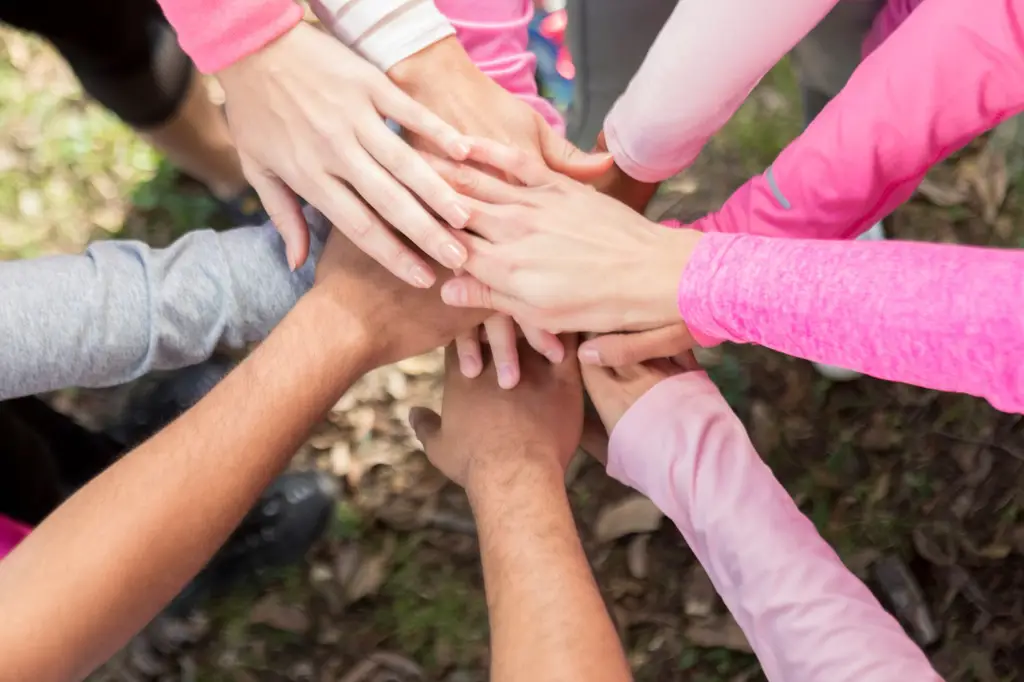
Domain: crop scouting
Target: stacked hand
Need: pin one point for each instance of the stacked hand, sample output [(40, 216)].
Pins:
[(475, 105), (308, 115), (555, 254), (540, 420)]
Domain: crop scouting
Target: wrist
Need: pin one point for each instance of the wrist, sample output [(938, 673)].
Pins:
[(339, 331), (505, 479), (671, 250), (439, 66)]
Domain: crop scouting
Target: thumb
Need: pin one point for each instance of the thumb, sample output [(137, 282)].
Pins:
[(564, 157), (285, 212), (426, 424)]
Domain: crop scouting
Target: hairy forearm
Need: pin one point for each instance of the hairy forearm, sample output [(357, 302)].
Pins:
[(548, 621), (117, 551)]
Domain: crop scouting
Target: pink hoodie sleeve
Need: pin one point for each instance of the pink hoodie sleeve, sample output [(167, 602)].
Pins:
[(953, 69), (495, 34), (704, 63), (806, 616), (11, 533), (940, 316), (217, 33)]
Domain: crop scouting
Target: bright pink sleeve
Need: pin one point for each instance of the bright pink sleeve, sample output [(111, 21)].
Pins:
[(704, 63), (495, 33), (934, 315), (889, 18), (217, 33), (806, 616), (11, 533), (951, 71)]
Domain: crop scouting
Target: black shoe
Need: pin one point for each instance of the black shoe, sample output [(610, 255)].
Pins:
[(289, 518)]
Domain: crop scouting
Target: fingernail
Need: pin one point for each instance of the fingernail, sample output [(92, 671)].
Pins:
[(454, 293), (421, 277), (507, 376), (471, 366), (459, 149), (555, 355), (291, 261), (589, 356), (453, 255), (461, 215)]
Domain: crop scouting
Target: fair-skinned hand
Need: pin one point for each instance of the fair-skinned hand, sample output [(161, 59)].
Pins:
[(308, 115), (445, 80), (558, 255), (394, 320), (614, 391), (485, 434), (618, 185)]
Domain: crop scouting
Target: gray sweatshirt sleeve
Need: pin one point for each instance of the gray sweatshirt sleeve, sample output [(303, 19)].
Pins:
[(122, 309)]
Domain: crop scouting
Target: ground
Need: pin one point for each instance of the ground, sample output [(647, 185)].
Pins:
[(920, 492)]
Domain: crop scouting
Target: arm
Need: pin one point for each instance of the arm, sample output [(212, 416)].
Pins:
[(218, 34), (805, 615), (509, 450), (122, 309), (704, 63), (182, 493), (951, 71), (548, 621), (926, 314)]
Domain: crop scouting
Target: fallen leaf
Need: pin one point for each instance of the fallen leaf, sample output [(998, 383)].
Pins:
[(341, 459), (637, 557), (273, 612), (718, 632), (634, 514), (431, 363), (699, 594), (371, 573), (904, 598), (764, 428)]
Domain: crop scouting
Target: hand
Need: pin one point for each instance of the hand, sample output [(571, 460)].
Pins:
[(614, 391), (615, 183), (487, 435), (393, 320), (445, 80), (557, 255), (307, 115)]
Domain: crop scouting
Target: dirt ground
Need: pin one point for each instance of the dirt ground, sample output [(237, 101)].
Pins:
[(919, 492)]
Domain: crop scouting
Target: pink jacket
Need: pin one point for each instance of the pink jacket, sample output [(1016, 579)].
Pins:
[(11, 533), (806, 616)]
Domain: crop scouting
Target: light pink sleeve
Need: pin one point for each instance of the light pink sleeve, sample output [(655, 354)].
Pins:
[(495, 33), (953, 69), (704, 63), (217, 33), (940, 316), (806, 616)]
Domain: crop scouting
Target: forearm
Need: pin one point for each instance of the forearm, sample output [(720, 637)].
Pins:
[(219, 33), (704, 63), (926, 314), (805, 615), (122, 309), (548, 622), (952, 71), (124, 545)]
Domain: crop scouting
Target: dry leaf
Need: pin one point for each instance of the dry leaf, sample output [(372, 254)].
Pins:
[(637, 556), (371, 574), (764, 430), (634, 514), (341, 459), (421, 365), (273, 612), (720, 632), (699, 594)]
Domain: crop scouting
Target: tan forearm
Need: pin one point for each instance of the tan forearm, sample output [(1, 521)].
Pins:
[(548, 622), (114, 554)]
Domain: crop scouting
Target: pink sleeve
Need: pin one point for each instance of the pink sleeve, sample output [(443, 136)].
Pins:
[(495, 33), (11, 533), (951, 71), (217, 33), (939, 316), (889, 18), (806, 616), (704, 63)]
